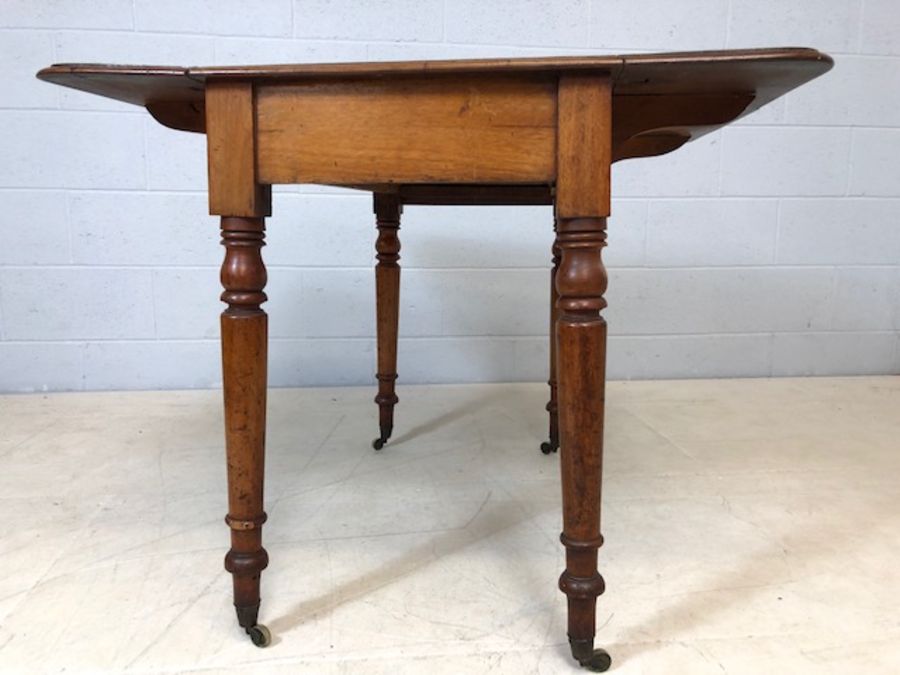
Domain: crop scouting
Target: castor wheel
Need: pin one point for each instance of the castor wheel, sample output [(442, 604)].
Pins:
[(260, 635), (378, 443), (595, 660), (599, 662), (547, 447)]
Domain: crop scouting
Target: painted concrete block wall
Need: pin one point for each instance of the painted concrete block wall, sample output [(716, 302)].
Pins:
[(770, 248)]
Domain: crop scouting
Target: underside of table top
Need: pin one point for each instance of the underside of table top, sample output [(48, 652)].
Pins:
[(660, 101)]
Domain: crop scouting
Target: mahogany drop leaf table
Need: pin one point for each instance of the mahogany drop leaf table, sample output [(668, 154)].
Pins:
[(495, 131)]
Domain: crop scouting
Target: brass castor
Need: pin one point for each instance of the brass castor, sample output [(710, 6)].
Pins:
[(548, 446), (378, 443), (595, 660), (259, 635)]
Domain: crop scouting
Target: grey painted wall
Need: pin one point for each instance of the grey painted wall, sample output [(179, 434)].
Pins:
[(770, 248)]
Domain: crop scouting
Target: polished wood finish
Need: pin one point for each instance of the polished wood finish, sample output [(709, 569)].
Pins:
[(585, 129), (653, 73), (237, 196), (387, 307), (244, 327), (584, 145), (581, 374), (175, 96), (642, 127), (465, 130), (231, 140), (488, 131)]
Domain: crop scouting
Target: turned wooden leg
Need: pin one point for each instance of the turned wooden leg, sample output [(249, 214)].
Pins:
[(552, 406), (581, 359), (387, 308), (244, 341), (582, 204)]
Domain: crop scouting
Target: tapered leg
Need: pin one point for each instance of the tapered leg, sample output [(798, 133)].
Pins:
[(581, 363), (552, 406), (582, 205), (387, 308), (244, 343)]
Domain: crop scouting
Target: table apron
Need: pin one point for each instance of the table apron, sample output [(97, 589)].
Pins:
[(412, 130)]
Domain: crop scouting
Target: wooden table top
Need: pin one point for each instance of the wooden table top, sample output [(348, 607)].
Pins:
[(767, 73), (660, 101)]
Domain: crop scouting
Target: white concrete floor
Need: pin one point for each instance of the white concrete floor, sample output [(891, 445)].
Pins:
[(752, 526)]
